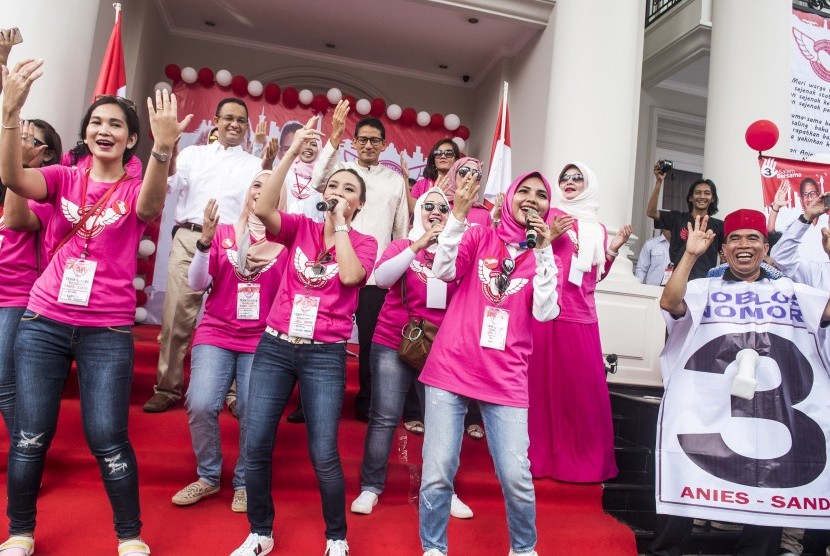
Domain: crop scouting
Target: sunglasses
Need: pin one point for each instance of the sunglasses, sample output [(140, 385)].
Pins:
[(442, 208), (508, 265), (323, 257), (567, 177), (464, 170), (129, 103), (375, 141), (447, 153)]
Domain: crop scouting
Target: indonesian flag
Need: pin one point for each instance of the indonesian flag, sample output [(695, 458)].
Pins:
[(501, 172), (112, 80)]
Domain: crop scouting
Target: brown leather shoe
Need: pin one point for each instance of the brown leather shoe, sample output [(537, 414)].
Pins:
[(159, 403), (194, 492)]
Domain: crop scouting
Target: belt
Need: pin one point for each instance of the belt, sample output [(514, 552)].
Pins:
[(296, 339), (188, 226)]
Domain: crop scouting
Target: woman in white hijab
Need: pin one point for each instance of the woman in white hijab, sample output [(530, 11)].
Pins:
[(569, 418)]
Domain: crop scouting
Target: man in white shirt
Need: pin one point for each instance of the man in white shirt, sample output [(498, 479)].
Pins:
[(654, 265), (223, 171), (385, 216)]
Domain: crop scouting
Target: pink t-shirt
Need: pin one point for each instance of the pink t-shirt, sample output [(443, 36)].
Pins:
[(113, 244), (19, 258), (576, 302), (303, 240), (478, 215), (421, 186), (457, 362), (394, 315), (220, 326)]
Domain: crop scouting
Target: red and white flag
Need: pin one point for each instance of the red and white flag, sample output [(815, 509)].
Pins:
[(501, 171), (112, 79)]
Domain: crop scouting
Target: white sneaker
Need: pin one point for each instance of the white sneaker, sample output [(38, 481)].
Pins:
[(255, 545), (531, 553), (434, 552), (459, 509), (364, 503), (337, 548)]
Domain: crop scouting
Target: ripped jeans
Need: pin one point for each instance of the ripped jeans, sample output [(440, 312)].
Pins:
[(43, 353), (507, 440)]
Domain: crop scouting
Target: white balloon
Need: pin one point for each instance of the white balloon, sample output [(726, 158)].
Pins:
[(189, 75), (423, 118), (451, 122), (306, 96), (459, 143), (255, 88), (140, 314), (139, 283), (146, 247), (163, 86), (363, 106), (393, 112), (224, 78), (334, 95)]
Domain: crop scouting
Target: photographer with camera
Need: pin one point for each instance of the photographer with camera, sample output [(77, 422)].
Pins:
[(702, 200)]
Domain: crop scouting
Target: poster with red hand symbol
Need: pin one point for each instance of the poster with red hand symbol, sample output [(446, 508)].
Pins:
[(810, 89)]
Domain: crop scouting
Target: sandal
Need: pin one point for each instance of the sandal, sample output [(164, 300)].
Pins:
[(475, 431), (20, 543), (415, 427), (133, 547)]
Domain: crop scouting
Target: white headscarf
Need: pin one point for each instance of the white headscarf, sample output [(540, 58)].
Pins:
[(417, 224), (584, 208)]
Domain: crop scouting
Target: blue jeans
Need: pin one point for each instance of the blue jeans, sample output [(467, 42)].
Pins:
[(9, 321), (212, 372), (507, 440), (391, 379), (321, 372), (43, 353)]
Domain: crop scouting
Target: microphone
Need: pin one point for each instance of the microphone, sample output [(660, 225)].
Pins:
[(324, 206), (530, 234)]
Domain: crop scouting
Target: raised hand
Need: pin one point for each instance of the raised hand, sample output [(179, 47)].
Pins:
[(465, 195), (768, 167), (338, 122), (32, 156), (211, 220), (260, 133), (560, 225), (404, 168), (700, 238), (429, 237), (495, 214), (782, 196), (269, 153), (661, 176), (7, 37), (620, 237), (543, 232), (17, 83), (815, 207), (309, 132), (164, 122)]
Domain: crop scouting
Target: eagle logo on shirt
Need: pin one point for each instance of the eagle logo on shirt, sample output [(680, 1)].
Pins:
[(488, 273), (233, 258), (300, 189), (2, 221), (312, 274), (95, 223), (423, 270)]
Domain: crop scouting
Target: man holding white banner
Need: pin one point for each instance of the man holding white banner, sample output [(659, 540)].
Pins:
[(744, 420)]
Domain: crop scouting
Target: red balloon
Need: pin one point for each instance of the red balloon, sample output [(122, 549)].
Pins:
[(463, 132), (142, 267), (352, 102), (173, 72), (320, 104), (378, 107), (239, 86), (290, 98), (436, 121), (152, 227), (761, 135), (140, 298), (408, 116), (205, 77), (271, 93)]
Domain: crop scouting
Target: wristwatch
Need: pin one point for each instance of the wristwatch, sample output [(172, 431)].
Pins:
[(161, 157), (342, 228), (203, 247), (802, 219)]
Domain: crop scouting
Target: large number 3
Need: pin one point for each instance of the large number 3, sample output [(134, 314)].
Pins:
[(807, 456)]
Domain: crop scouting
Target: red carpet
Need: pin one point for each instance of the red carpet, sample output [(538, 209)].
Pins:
[(74, 516)]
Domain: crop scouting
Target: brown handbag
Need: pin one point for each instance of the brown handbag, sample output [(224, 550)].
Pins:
[(418, 335)]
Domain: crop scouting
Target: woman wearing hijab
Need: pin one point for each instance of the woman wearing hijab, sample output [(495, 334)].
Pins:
[(481, 353), (243, 271), (571, 435)]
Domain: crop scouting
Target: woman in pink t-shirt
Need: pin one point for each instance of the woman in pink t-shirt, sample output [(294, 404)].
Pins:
[(481, 352), (243, 270), (441, 157), (82, 307), (571, 434), (305, 340)]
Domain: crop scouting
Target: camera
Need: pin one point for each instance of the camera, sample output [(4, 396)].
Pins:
[(665, 166)]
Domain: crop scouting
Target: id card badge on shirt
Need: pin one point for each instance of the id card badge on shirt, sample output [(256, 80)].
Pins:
[(247, 301), (575, 275), (667, 274), (494, 328), (303, 316), (436, 294), (76, 284)]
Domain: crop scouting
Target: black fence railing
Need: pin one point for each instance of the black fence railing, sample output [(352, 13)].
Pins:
[(655, 9), (820, 7)]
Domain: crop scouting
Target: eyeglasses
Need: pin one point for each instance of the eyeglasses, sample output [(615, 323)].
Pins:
[(810, 194), (508, 265), (447, 153), (568, 177), (375, 141), (228, 119), (130, 104), (323, 257), (442, 208), (464, 170)]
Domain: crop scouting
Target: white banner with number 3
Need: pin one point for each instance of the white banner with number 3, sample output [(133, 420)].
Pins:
[(722, 457)]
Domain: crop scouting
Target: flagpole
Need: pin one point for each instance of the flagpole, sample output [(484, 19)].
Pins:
[(117, 6), (503, 111)]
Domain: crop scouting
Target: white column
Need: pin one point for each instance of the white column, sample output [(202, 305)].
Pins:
[(749, 79), (61, 33)]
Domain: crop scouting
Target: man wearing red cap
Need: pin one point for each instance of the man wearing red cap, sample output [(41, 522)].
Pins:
[(743, 422)]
